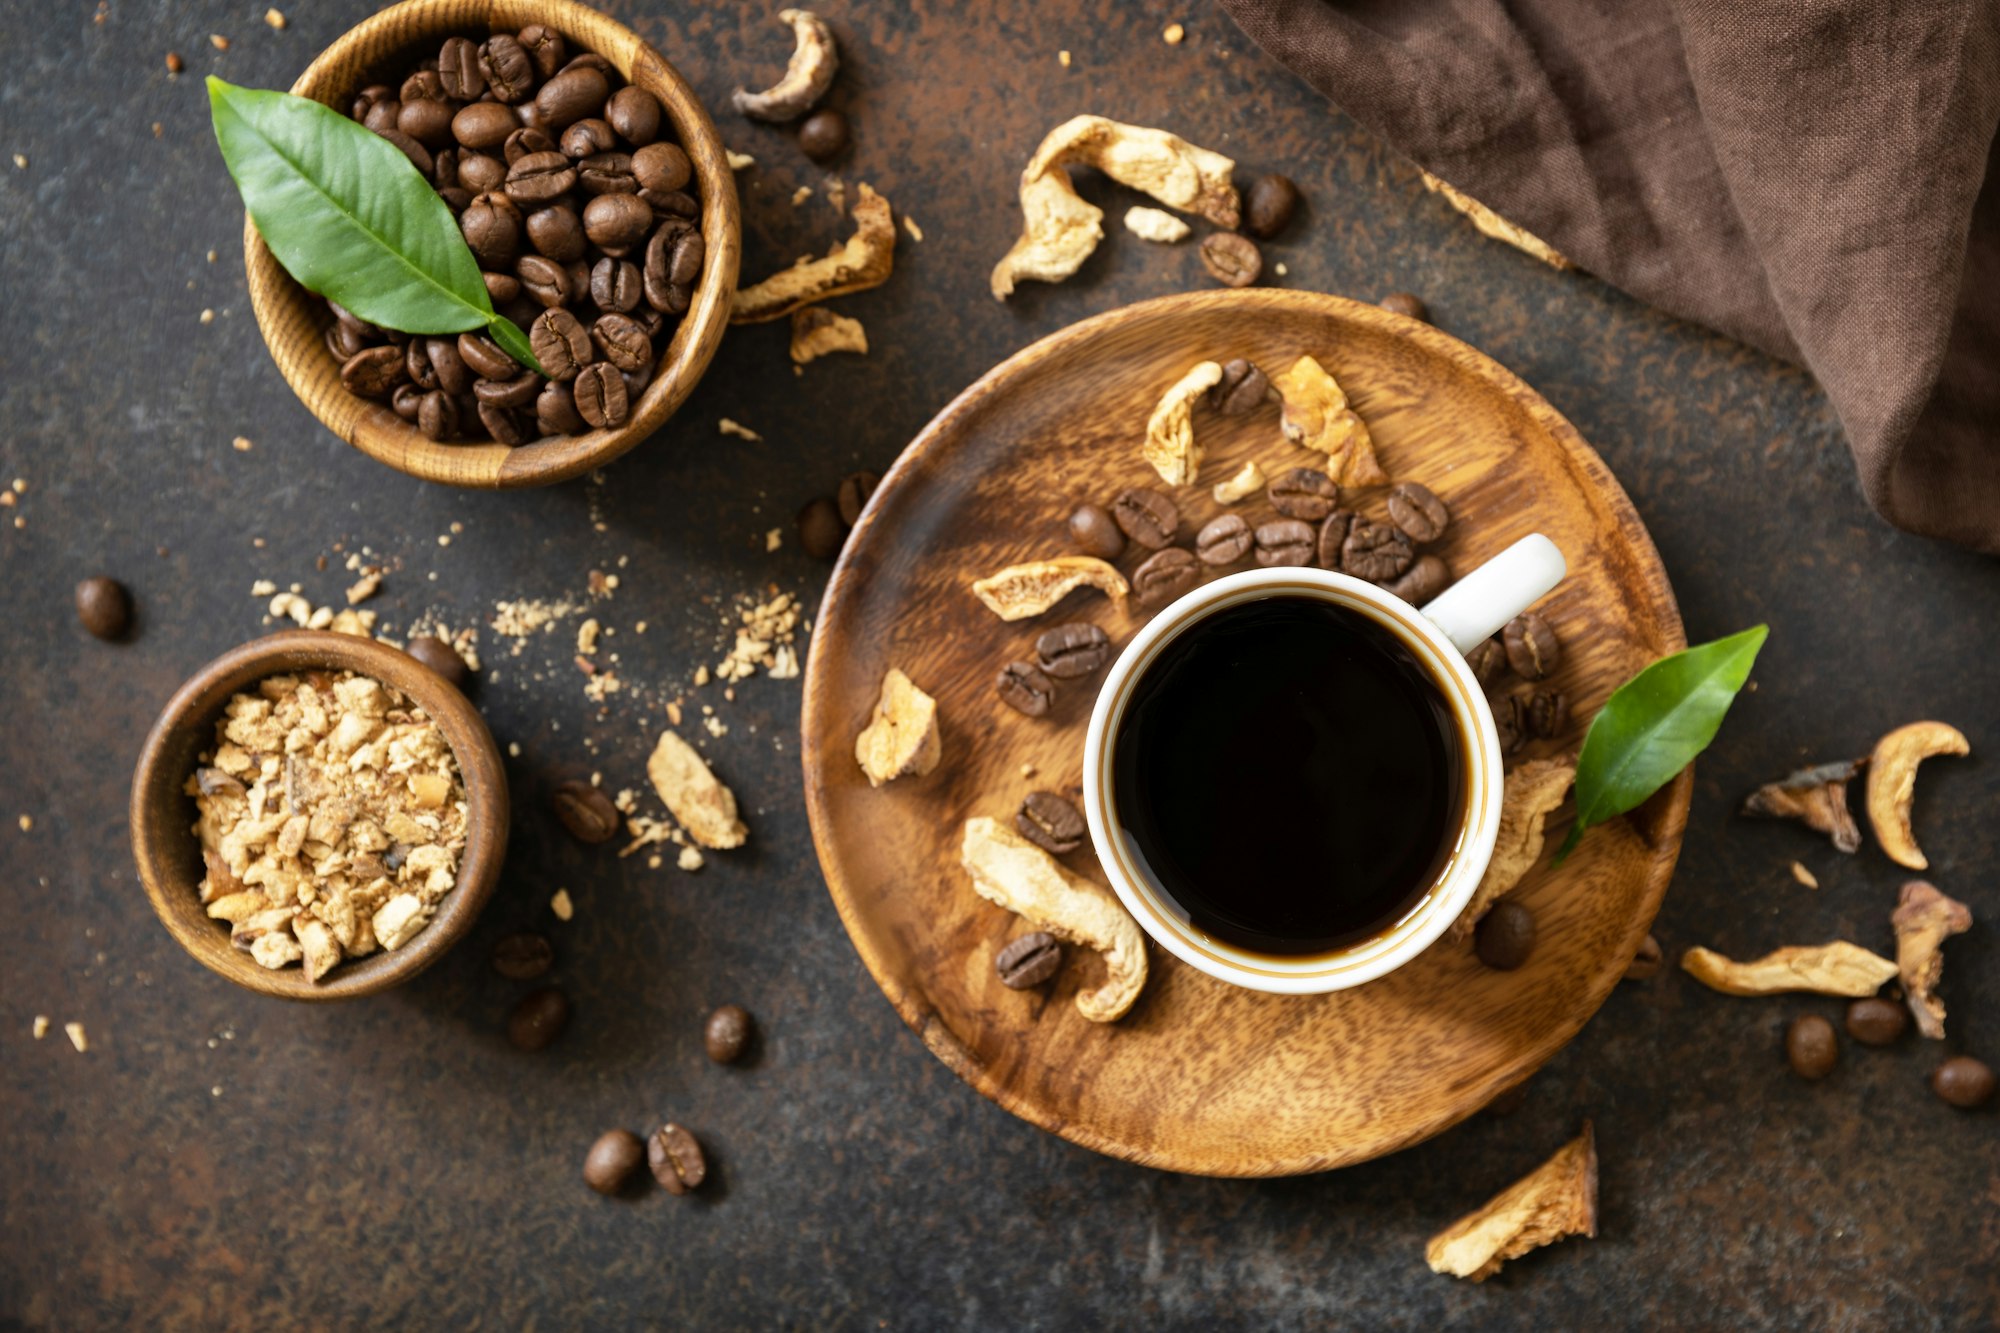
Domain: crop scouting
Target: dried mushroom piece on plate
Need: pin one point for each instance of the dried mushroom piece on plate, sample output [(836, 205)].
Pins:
[(1531, 793), (1556, 1200), (704, 807), (1170, 443), (818, 332), (902, 738), (1892, 784), (1924, 919), (865, 260), (1020, 591), (1317, 415), (1838, 968), (1816, 797)]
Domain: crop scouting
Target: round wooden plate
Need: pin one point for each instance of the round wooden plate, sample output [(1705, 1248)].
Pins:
[(1201, 1076)]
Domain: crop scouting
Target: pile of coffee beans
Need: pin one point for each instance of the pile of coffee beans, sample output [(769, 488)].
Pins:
[(581, 212)]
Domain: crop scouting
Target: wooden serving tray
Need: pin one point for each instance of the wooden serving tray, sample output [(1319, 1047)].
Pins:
[(1201, 1076)]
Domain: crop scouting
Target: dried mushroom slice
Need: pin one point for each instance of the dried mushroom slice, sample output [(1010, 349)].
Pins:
[(1532, 791), (1249, 480), (902, 738), (1556, 1200), (865, 260), (1020, 591), (1838, 968), (1924, 919), (1816, 797), (1170, 443), (1492, 224), (808, 74), (1317, 416), (704, 807), (818, 332), (1892, 784)]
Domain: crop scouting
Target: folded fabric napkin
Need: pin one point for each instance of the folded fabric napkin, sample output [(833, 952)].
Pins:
[(1818, 178)]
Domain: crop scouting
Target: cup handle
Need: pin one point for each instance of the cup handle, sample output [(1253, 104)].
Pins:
[(1472, 609)]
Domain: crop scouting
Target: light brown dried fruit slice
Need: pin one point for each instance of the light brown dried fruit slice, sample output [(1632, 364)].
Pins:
[(1892, 784), (902, 739), (1317, 415), (808, 74), (1816, 797), (1838, 968), (1924, 918), (1249, 479), (1499, 228), (865, 260), (1012, 872), (1555, 1200), (1170, 444), (818, 332), (1020, 591), (1532, 791), (704, 807)]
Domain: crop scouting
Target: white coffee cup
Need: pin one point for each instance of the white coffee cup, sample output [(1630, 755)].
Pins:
[(1439, 636)]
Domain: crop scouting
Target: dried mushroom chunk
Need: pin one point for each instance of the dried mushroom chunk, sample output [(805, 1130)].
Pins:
[(1531, 792), (1012, 872), (1249, 480), (818, 332), (704, 807), (1816, 797), (1153, 224), (1170, 444), (902, 738), (1555, 1200), (1924, 918), (1492, 224), (1892, 783), (1020, 591), (1317, 416), (865, 260), (1838, 968), (808, 74), (1060, 229)]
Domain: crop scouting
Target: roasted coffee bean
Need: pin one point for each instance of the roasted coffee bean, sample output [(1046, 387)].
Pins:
[(588, 60), (1242, 388), (671, 205), (480, 172), (662, 166), (1532, 647), (501, 288), (1285, 541), (485, 358), (1268, 205), (538, 1019), (420, 156), (367, 99), (1375, 551), (509, 73), (1505, 936), (600, 396), (1028, 960), (855, 488), (823, 135), (493, 232), (1406, 305), (1428, 576), (1876, 1021), (373, 371), (1546, 714), (516, 392), (586, 812), (1232, 260), (544, 280), (622, 342), (405, 399), (545, 48), (821, 533), (458, 69), (417, 364), (672, 250), (615, 285), (344, 340), (1023, 687), (1647, 962), (469, 424), (444, 171), (526, 142), (1964, 1082), (1303, 492), (429, 123), (576, 92), (556, 234), (484, 125), (438, 655), (1096, 533), (1812, 1047), (588, 138), (437, 415), (635, 114), (423, 85), (555, 411), (1488, 661), (524, 955), (1051, 823), (1332, 535), (1509, 723), (607, 173), (676, 1159), (1224, 541), (579, 281), (447, 367), (1072, 651), (1419, 513), (617, 220), (1146, 516), (726, 1034), (382, 116), (540, 178), (368, 332), (685, 261), (612, 1160), (1165, 575), (506, 425), (103, 607)]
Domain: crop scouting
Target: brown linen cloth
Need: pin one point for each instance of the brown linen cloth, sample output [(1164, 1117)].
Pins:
[(1806, 177)]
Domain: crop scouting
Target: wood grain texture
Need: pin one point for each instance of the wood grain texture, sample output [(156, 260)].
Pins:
[(1203, 1077), (162, 814), (294, 324)]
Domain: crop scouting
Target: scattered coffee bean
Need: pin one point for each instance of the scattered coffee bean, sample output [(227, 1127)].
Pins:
[(726, 1034), (1964, 1082), (600, 395), (1224, 541), (1146, 516), (439, 656), (1285, 541), (1242, 388), (538, 1019), (1418, 512), (1165, 575), (1812, 1047), (586, 812), (1406, 305), (1505, 936), (1510, 724), (1375, 551), (1488, 661), (1303, 492), (1096, 533), (1070, 652), (1028, 960), (676, 1159), (662, 166), (852, 497), (1268, 205), (1532, 647), (1876, 1021), (1023, 687), (821, 533), (1647, 962), (1422, 581), (103, 607), (1546, 714), (1232, 260), (1051, 823), (1332, 536), (523, 956), (823, 135), (612, 1160)]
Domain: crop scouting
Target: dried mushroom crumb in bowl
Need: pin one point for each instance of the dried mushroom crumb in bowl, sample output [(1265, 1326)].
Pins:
[(324, 914)]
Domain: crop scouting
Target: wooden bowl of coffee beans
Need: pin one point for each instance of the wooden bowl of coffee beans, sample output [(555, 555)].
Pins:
[(596, 196)]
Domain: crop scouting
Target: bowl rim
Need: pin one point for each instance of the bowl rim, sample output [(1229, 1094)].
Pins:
[(182, 730), (292, 330)]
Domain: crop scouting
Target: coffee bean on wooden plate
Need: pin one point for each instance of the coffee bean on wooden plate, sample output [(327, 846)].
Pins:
[(1964, 1082), (1532, 647), (1505, 936), (823, 135), (1488, 661), (1428, 576), (1285, 541), (1303, 492), (1268, 205), (1096, 533), (1224, 541), (726, 1034), (821, 533), (1029, 960), (103, 607), (1407, 305), (1146, 516), (1811, 1046), (1165, 575), (675, 1156), (852, 497), (1418, 512), (586, 812), (538, 1019), (1232, 260), (1023, 687), (1051, 823), (1875, 1021), (612, 1160), (440, 657), (1332, 535), (1068, 652), (1546, 714), (523, 956), (1510, 723), (1375, 551), (1242, 388)]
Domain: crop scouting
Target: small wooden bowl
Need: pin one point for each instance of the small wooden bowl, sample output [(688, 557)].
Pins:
[(162, 814), (295, 323)]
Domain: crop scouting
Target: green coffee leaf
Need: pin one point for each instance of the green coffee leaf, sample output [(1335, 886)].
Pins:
[(349, 217), (1654, 725)]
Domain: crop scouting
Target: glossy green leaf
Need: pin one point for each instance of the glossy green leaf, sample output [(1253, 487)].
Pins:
[(1654, 725), (349, 217)]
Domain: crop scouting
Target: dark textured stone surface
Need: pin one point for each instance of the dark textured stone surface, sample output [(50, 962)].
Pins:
[(392, 1163)]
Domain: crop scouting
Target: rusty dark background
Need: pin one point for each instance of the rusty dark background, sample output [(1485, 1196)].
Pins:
[(218, 1160)]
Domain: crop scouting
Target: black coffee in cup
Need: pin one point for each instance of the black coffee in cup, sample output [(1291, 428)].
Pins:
[(1291, 774)]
